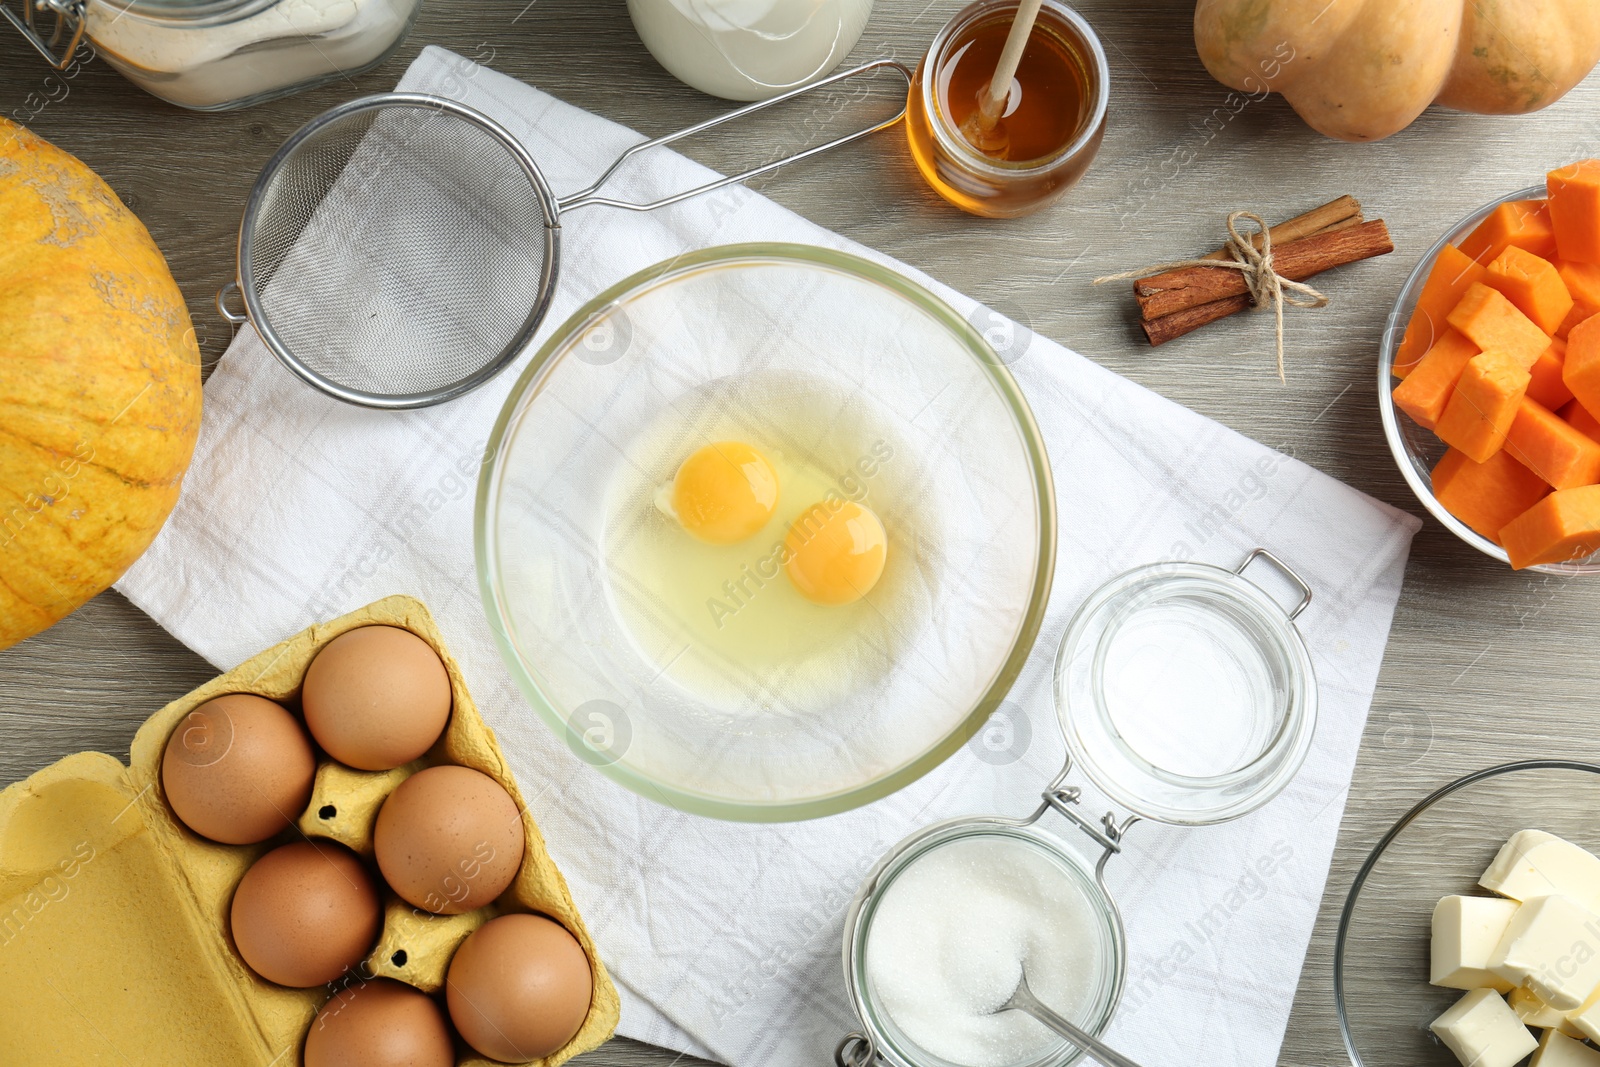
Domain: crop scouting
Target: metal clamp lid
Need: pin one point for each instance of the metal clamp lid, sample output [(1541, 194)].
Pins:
[(69, 16), (1066, 800), (1286, 571)]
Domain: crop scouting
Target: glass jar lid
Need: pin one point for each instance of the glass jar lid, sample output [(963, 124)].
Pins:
[(1186, 692), (186, 11)]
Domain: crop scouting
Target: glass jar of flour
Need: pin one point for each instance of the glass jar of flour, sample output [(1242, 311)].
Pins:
[(1186, 695), (749, 49), (217, 55)]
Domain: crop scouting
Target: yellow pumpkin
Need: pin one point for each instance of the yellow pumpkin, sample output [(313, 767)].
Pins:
[(1360, 70), (99, 385)]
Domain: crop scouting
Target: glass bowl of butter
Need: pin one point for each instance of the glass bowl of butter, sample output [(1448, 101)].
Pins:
[(1471, 934)]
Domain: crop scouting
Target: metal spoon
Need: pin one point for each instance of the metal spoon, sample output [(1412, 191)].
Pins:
[(1024, 1000)]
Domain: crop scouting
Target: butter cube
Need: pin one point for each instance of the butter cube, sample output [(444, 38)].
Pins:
[(1536, 1013), (1466, 931), (1586, 1020), (1483, 1031), (1535, 864), (1552, 946), (1558, 1050)]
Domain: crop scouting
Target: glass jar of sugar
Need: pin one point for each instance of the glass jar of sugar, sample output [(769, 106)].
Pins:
[(1186, 695), (217, 55)]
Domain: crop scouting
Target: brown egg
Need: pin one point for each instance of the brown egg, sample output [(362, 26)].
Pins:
[(305, 913), (376, 697), (382, 1023), (449, 839), (519, 988), (238, 769)]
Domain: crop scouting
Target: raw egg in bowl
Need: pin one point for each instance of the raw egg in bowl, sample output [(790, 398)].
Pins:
[(765, 532)]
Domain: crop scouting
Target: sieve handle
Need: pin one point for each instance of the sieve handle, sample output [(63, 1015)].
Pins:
[(590, 195)]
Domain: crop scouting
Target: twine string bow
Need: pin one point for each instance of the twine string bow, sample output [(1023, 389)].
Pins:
[(1264, 284)]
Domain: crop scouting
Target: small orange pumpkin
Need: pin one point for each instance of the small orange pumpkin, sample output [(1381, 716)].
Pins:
[(99, 385), (1360, 70)]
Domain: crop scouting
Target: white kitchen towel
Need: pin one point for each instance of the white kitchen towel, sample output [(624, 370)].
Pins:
[(725, 938)]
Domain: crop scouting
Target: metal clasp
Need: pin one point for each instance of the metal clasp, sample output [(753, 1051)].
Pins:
[(1286, 571), (1106, 833), (1065, 800), (69, 15), (854, 1051)]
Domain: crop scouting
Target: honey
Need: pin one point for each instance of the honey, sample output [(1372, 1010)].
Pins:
[(1049, 129), (1046, 104)]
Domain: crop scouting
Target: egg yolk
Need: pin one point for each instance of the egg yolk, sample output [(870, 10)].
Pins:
[(724, 493), (836, 556)]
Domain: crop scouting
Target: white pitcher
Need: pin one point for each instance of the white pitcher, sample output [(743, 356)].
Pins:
[(749, 49)]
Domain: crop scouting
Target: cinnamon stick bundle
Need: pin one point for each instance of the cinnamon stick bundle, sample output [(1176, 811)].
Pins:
[(1179, 290), (1176, 302)]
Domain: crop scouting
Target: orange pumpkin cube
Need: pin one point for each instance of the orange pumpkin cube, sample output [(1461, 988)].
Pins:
[(1426, 390), (1551, 448), (1484, 405), (1581, 369), (1523, 223), (1493, 323), (1533, 285), (1564, 526), (1574, 317), (1575, 210), (1486, 495), (1577, 416), (1452, 273), (1547, 386), (1583, 285)]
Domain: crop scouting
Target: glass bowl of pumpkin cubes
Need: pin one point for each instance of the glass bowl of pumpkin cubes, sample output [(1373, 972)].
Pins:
[(1489, 376), (1471, 934)]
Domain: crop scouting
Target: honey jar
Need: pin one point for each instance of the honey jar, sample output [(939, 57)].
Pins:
[(1049, 129)]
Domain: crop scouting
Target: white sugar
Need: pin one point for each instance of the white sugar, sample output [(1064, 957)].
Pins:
[(950, 939)]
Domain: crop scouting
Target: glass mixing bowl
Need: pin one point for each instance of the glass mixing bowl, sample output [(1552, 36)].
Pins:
[(823, 357), (1415, 449), (1439, 848)]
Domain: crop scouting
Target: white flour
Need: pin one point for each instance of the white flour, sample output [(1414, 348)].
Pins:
[(285, 44)]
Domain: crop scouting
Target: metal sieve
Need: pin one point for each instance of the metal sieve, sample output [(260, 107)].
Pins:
[(400, 250)]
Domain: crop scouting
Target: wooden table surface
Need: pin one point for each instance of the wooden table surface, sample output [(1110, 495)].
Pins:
[(1483, 665)]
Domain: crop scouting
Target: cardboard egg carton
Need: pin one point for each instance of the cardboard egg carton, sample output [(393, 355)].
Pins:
[(114, 938)]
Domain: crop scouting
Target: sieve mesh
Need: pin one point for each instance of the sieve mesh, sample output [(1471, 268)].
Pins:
[(398, 248)]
